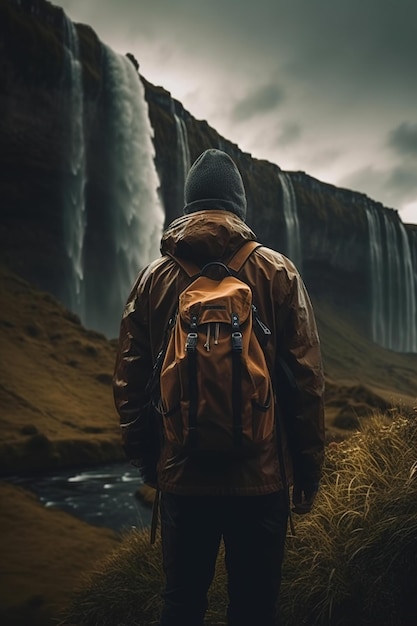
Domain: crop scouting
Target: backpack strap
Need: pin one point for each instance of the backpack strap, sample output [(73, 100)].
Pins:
[(235, 264), (240, 257)]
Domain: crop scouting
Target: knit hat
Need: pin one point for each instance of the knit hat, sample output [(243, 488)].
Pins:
[(214, 182)]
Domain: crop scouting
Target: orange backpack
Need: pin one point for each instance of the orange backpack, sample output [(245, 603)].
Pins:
[(216, 393)]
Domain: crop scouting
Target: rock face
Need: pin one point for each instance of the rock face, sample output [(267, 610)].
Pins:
[(93, 156), (78, 180)]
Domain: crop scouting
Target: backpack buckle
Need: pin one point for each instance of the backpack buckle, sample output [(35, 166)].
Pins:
[(191, 342), (237, 341)]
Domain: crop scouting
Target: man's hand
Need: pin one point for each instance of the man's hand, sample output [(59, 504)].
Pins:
[(303, 498)]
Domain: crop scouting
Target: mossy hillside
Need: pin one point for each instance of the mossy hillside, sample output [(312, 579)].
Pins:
[(55, 395), (45, 555), (361, 377)]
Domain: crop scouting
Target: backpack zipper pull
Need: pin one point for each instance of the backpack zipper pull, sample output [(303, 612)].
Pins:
[(216, 333), (207, 344)]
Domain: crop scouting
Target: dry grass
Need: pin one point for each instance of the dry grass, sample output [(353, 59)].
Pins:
[(352, 561), (125, 588)]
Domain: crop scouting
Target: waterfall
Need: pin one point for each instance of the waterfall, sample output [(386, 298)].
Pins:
[(377, 272), (132, 210), (182, 147), (393, 289), (183, 160), (74, 218), (289, 205), (409, 342)]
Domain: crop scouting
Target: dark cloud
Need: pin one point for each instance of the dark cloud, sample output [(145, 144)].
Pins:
[(404, 138), (351, 41), (345, 50), (403, 181), (258, 102), (340, 77)]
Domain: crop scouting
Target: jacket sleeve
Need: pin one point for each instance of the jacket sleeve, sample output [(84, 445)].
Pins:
[(300, 353), (133, 367)]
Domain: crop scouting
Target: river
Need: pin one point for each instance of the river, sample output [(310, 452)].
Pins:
[(102, 496)]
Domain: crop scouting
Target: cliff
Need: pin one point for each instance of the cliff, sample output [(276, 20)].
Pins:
[(67, 174)]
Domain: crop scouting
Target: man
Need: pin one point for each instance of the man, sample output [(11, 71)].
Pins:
[(240, 500)]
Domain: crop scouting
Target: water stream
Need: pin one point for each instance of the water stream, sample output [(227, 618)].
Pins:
[(102, 496)]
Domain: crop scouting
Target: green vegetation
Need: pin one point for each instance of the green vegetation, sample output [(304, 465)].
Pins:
[(352, 560), (56, 402)]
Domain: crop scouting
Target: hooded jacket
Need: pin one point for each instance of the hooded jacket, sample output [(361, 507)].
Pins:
[(283, 305)]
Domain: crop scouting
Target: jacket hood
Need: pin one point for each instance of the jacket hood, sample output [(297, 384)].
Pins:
[(214, 182), (209, 234)]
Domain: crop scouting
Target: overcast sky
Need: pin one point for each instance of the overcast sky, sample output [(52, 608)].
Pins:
[(324, 86)]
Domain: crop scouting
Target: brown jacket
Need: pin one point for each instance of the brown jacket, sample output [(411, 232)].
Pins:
[(283, 305)]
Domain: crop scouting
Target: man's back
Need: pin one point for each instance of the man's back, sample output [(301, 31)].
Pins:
[(202, 495)]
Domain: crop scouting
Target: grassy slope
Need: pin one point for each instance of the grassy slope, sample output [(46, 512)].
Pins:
[(56, 408), (56, 405), (361, 377), (45, 554), (350, 357)]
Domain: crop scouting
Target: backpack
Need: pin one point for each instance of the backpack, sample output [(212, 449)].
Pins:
[(216, 394)]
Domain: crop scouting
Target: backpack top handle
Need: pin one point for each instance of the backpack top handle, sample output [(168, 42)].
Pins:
[(215, 263)]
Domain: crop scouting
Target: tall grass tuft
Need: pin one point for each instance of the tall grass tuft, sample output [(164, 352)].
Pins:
[(124, 589), (352, 561)]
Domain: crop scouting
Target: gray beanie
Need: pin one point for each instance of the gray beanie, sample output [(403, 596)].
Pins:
[(214, 182)]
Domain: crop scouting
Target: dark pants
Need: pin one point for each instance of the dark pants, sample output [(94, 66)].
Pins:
[(253, 530)]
